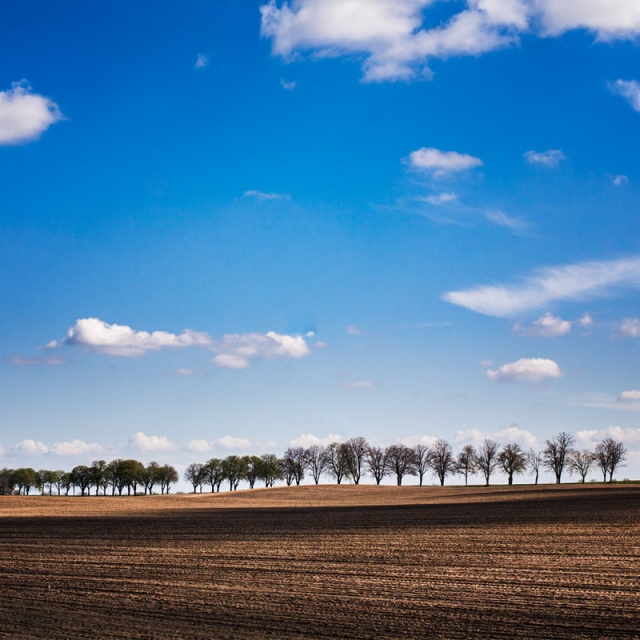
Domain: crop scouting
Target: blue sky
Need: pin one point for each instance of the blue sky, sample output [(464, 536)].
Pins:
[(232, 226)]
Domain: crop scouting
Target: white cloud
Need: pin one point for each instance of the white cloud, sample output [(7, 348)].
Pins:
[(237, 350), (548, 326), (37, 361), (629, 396), (185, 373), (307, 439), (586, 320), (263, 195), (503, 220), (25, 115), (589, 438), (352, 330), (412, 441), (31, 448), (630, 328), (620, 180), (287, 86), (441, 163), (359, 384), (119, 340), (202, 61), (437, 200), (231, 442), (609, 19), (149, 444), (397, 38), (511, 435), (199, 445), (531, 370), (75, 448), (550, 158), (580, 281), (629, 89)]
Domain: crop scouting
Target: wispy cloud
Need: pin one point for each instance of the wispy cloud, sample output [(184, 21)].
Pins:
[(630, 328), (531, 370), (307, 439), (439, 199), (628, 89), (225, 442), (441, 163), (513, 435), (287, 86), (620, 180), (37, 361), (263, 195), (359, 385), (550, 158), (580, 281), (352, 330), (202, 61)]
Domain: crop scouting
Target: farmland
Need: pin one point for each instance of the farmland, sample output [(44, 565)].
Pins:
[(325, 562)]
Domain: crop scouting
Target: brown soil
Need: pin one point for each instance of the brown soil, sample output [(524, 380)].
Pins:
[(325, 562)]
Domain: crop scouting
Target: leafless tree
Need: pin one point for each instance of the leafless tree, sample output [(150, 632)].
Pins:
[(355, 451), (443, 462), (376, 463), (400, 461), (580, 462), (487, 459), (295, 458), (337, 461), (534, 461), (609, 455), (513, 460), (316, 460), (466, 462), (554, 455), (422, 458)]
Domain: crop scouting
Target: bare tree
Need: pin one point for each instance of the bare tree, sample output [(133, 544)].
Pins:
[(422, 458), (337, 461), (487, 459), (609, 455), (466, 462), (513, 460), (554, 455), (580, 462), (316, 461), (356, 450), (443, 461), (376, 463), (534, 461), (400, 461)]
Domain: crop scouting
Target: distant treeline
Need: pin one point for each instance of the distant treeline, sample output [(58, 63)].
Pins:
[(351, 460)]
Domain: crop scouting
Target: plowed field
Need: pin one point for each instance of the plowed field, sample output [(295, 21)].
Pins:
[(325, 562)]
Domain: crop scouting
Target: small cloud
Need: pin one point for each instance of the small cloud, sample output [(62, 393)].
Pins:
[(31, 448), (308, 439), (548, 326), (412, 441), (486, 363), (630, 328), (182, 372), (501, 219), (550, 158), (628, 89), (586, 320), (287, 86), (441, 163), (629, 396), (199, 445), (148, 444), (620, 180), (513, 434), (231, 442), (359, 384), (237, 350), (531, 370), (37, 361), (352, 330), (263, 195), (202, 61), (75, 448), (437, 200), (25, 115)]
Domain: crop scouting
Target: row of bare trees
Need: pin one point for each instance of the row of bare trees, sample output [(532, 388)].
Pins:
[(115, 476), (351, 460)]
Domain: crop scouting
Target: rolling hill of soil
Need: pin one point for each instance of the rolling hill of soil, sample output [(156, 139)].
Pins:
[(325, 562)]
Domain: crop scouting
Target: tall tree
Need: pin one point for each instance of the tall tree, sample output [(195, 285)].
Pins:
[(195, 475), (400, 461), (234, 471), (270, 469), (168, 476), (252, 469), (214, 472), (82, 478), (296, 461), (534, 462), (99, 475), (609, 455), (422, 458), (580, 462), (443, 461), (337, 461), (487, 459), (7, 481), (376, 463), (513, 460), (466, 462), (356, 451), (316, 461), (554, 455)]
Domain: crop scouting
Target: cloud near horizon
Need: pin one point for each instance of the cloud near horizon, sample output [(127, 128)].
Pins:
[(308, 439), (149, 444), (24, 115), (513, 434), (396, 39), (573, 282), (234, 351)]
